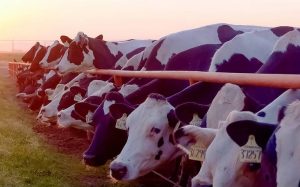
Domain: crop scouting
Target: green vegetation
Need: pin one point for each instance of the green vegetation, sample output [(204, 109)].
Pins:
[(10, 56), (26, 160)]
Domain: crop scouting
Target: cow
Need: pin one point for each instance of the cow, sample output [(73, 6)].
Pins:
[(120, 161), (86, 53), (271, 114)]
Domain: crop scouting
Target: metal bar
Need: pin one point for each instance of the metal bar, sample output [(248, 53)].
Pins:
[(255, 79)]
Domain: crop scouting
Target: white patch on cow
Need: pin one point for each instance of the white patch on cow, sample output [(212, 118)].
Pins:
[(134, 61), (44, 63), (127, 46), (106, 106), (95, 85), (288, 147), (50, 74), (103, 90), (78, 97), (221, 166), (65, 66), (292, 37), (256, 44), (184, 40), (271, 111), (65, 120), (128, 89), (230, 97), (121, 62), (141, 148), (40, 81)]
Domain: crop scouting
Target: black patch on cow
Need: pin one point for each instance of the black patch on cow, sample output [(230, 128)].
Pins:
[(278, 63), (226, 33), (157, 157), (261, 114), (117, 110), (114, 96), (75, 54), (160, 142), (195, 59), (250, 104), (55, 53), (279, 31), (68, 77), (239, 63), (29, 55), (239, 132), (134, 52), (157, 96), (172, 118), (281, 113), (68, 98), (81, 110), (184, 112), (39, 56), (152, 63)]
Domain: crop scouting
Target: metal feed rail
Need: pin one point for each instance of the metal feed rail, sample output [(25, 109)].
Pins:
[(254, 79)]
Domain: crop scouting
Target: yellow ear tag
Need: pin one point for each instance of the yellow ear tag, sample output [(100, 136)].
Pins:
[(77, 97), (196, 120), (250, 152), (121, 122), (197, 152), (89, 117)]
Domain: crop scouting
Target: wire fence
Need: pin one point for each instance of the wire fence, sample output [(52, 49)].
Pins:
[(15, 46)]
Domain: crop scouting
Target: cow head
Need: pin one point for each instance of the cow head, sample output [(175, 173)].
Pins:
[(108, 140), (29, 55), (40, 53), (70, 97), (149, 142), (53, 55), (81, 117), (78, 56), (281, 157), (222, 166)]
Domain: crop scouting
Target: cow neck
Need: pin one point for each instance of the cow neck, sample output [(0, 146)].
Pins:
[(104, 59)]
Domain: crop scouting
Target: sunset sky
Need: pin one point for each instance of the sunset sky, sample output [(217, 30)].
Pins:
[(125, 19)]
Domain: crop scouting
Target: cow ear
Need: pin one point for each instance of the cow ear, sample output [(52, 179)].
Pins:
[(117, 110), (240, 131), (190, 134), (186, 111), (65, 40), (100, 37), (172, 118)]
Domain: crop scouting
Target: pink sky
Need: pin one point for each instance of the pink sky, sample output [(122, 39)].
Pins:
[(125, 19)]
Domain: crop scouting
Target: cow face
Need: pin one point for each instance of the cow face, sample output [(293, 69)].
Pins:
[(29, 56), (76, 116), (221, 166), (78, 56), (149, 127), (53, 55), (74, 95), (281, 158), (104, 145), (40, 53)]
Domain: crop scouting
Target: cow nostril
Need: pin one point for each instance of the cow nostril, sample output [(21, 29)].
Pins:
[(118, 170)]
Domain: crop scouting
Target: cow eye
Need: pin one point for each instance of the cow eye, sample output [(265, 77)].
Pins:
[(155, 130)]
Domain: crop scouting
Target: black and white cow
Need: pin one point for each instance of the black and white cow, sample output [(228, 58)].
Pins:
[(202, 95), (270, 114), (86, 53)]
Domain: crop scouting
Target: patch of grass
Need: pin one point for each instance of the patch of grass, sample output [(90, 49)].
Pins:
[(26, 160), (10, 56)]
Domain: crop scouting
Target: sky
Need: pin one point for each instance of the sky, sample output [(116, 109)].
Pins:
[(140, 19)]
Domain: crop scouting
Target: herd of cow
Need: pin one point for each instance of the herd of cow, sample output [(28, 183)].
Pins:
[(236, 136)]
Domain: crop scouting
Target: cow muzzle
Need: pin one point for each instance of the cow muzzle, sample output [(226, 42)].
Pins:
[(118, 170)]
